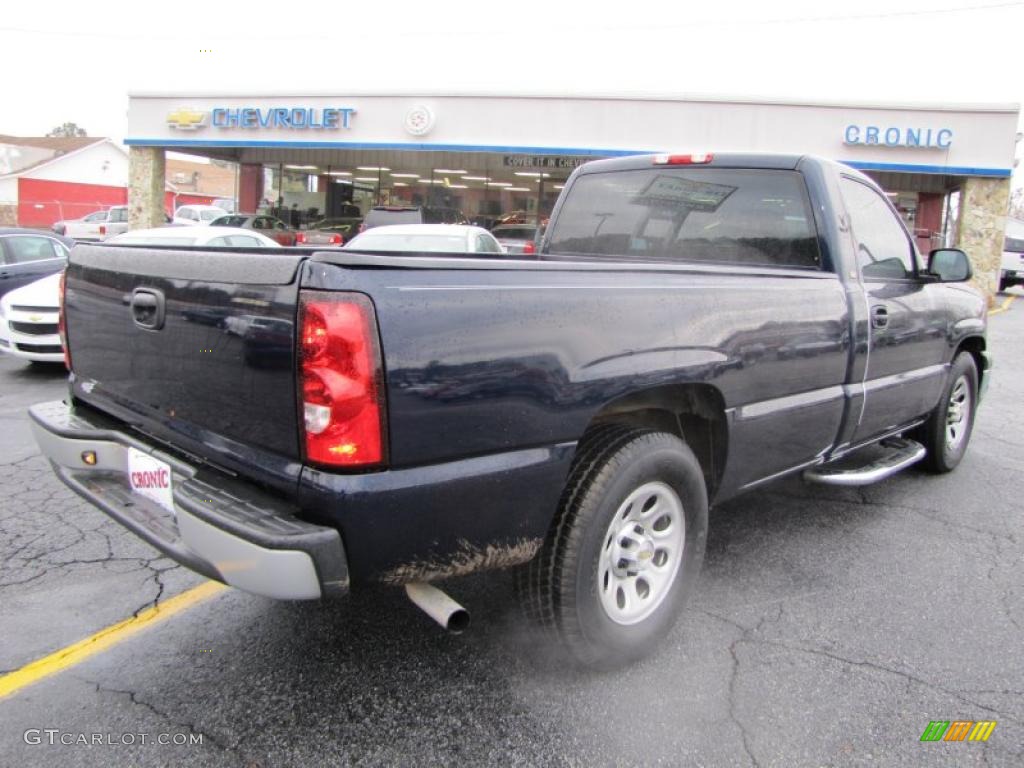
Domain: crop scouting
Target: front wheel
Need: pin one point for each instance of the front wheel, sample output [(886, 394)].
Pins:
[(948, 430), (625, 549)]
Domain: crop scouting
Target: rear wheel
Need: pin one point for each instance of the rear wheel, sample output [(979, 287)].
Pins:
[(625, 548), (948, 430)]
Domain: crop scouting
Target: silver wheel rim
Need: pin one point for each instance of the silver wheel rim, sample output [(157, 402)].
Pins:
[(958, 414), (641, 553)]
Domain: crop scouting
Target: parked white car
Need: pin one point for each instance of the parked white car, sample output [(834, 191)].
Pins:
[(96, 226), (223, 237), (28, 321), (427, 238), (197, 214)]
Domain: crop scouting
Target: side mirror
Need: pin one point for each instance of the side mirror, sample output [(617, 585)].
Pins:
[(949, 265)]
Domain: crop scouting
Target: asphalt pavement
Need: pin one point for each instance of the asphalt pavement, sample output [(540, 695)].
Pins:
[(829, 628)]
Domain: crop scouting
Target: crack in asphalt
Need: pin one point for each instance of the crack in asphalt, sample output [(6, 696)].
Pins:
[(959, 695), (18, 462), (133, 698), (997, 437), (51, 531), (747, 636), (734, 676), (744, 736), (888, 505), (157, 579)]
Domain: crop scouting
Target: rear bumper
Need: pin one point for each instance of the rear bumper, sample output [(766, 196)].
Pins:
[(224, 529)]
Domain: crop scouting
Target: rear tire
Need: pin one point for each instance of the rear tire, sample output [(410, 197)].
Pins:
[(948, 430), (625, 548)]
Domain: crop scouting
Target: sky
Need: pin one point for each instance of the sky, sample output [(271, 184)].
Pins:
[(73, 61)]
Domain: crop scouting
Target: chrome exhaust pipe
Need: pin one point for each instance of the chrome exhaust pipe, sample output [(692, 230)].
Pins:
[(438, 606)]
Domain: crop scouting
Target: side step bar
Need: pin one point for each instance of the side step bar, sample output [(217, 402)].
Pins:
[(901, 454)]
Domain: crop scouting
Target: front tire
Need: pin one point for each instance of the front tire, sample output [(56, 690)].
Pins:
[(625, 549), (948, 430)]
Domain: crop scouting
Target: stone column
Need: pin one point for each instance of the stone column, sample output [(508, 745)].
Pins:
[(983, 206), (146, 167)]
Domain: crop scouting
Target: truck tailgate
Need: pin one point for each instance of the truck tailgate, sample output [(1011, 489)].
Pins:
[(194, 347)]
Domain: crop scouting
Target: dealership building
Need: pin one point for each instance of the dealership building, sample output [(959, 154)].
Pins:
[(945, 167)]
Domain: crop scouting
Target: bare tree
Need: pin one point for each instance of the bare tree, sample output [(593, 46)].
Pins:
[(68, 130)]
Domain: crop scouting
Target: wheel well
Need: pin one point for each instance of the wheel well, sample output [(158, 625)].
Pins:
[(975, 345), (693, 412)]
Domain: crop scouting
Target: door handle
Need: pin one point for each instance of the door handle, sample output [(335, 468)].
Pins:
[(147, 308), (879, 317)]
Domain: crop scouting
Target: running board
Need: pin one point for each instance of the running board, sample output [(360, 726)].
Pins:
[(902, 453)]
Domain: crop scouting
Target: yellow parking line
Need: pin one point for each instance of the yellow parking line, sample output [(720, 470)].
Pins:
[(1003, 307), (78, 652)]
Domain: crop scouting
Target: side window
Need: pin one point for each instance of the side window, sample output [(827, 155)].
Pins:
[(98, 216), (884, 251), (219, 242), (755, 217), (119, 214), (260, 222), (22, 249), (1014, 245), (278, 224), (486, 244), (244, 241), (59, 251)]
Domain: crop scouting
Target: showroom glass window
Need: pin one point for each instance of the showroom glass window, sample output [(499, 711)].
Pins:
[(884, 252), (710, 215)]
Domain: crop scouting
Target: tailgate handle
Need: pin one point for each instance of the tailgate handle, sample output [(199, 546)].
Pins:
[(148, 308)]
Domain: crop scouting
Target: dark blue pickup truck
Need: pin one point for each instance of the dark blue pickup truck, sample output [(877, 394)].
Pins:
[(300, 423)]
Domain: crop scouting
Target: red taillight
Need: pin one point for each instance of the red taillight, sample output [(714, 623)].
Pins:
[(62, 327), (530, 247), (340, 380), (335, 239), (300, 238), (103, 229), (700, 159)]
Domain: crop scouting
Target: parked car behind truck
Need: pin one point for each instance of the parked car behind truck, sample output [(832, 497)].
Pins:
[(692, 328), (98, 225), (269, 226), (29, 254)]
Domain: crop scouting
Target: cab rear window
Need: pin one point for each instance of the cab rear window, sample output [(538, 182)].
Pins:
[(1014, 245), (708, 215)]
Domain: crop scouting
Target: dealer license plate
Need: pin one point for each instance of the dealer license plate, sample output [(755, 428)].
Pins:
[(151, 478)]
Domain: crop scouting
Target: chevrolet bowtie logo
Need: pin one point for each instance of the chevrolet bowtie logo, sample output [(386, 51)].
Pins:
[(185, 119)]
